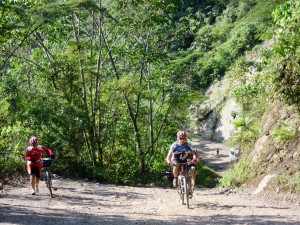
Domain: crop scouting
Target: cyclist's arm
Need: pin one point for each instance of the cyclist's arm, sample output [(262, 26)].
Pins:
[(196, 158), (169, 156), (194, 155), (27, 155), (168, 159), (48, 151)]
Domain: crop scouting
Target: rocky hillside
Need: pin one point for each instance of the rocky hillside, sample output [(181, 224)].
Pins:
[(276, 149), (212, 118), (274, 155)]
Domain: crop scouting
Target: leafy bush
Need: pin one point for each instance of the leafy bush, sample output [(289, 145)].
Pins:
[(239, 173), (11, 149), (246, 132), (284, 133), (287, 79), (10, 166), (286, 18), (287, 182), (206, 177)]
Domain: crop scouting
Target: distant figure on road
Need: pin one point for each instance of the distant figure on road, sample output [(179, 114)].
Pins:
[(234, 153)]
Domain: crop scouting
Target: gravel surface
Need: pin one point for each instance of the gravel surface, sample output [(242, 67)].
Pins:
[(81, 202)]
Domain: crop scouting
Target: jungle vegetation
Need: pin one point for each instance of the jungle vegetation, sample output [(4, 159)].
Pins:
[(107, 84)]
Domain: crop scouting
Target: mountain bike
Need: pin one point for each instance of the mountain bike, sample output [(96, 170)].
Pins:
[(184, 182), (46, 162)]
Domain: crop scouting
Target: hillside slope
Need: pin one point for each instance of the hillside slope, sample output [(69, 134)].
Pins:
[(273, 156), (276, 149)]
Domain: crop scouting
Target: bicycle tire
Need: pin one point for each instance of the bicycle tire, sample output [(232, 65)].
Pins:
[(189, 187), (48, 182), (185, 192), (180, 190)]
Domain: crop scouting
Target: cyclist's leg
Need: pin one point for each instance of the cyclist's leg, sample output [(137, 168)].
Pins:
[(33, 178), (193, 173), (175, 172), (37, 178), (32, 183)]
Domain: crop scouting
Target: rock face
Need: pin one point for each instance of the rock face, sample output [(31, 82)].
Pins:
[(212, 119), (224, 126)]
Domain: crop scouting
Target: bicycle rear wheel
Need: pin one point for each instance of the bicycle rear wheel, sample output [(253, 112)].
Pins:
[(48, 182)]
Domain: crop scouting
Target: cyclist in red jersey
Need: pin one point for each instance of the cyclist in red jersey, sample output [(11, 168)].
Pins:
[(33, 156)]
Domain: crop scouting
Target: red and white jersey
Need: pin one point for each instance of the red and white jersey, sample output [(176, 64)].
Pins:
[(36, 153)]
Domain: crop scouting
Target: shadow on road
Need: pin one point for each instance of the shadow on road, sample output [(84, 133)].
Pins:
[(29, 216)]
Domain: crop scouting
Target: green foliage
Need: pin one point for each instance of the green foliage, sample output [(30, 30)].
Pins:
[(289, 183), (286, 17), (235, 30), (287, 79), (12, 165), (239, 122), (246, 132), (238, 174), (284, 133), (11, 149), (4, 111), (106, 85), (123, 167), (250, 89), (88, 116), (206, 177)]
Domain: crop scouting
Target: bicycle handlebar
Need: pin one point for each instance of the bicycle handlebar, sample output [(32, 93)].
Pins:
[(49, 158), (46, 162)]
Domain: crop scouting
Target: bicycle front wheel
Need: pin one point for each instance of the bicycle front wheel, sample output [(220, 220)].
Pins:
[(180, 190), (48, 182), (185, 192)]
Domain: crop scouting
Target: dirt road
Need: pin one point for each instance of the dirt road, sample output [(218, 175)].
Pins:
[(79, 202), (213, 154)]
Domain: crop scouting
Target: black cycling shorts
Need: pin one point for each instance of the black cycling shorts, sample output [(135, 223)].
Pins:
[(35, 171)]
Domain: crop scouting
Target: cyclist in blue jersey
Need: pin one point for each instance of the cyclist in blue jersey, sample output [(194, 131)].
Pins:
[(177, 150)]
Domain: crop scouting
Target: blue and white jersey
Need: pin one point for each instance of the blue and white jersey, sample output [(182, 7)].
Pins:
[(176, 148)]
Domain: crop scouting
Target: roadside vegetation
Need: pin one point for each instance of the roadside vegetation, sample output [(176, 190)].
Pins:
[(261, 94), (107, 84)]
